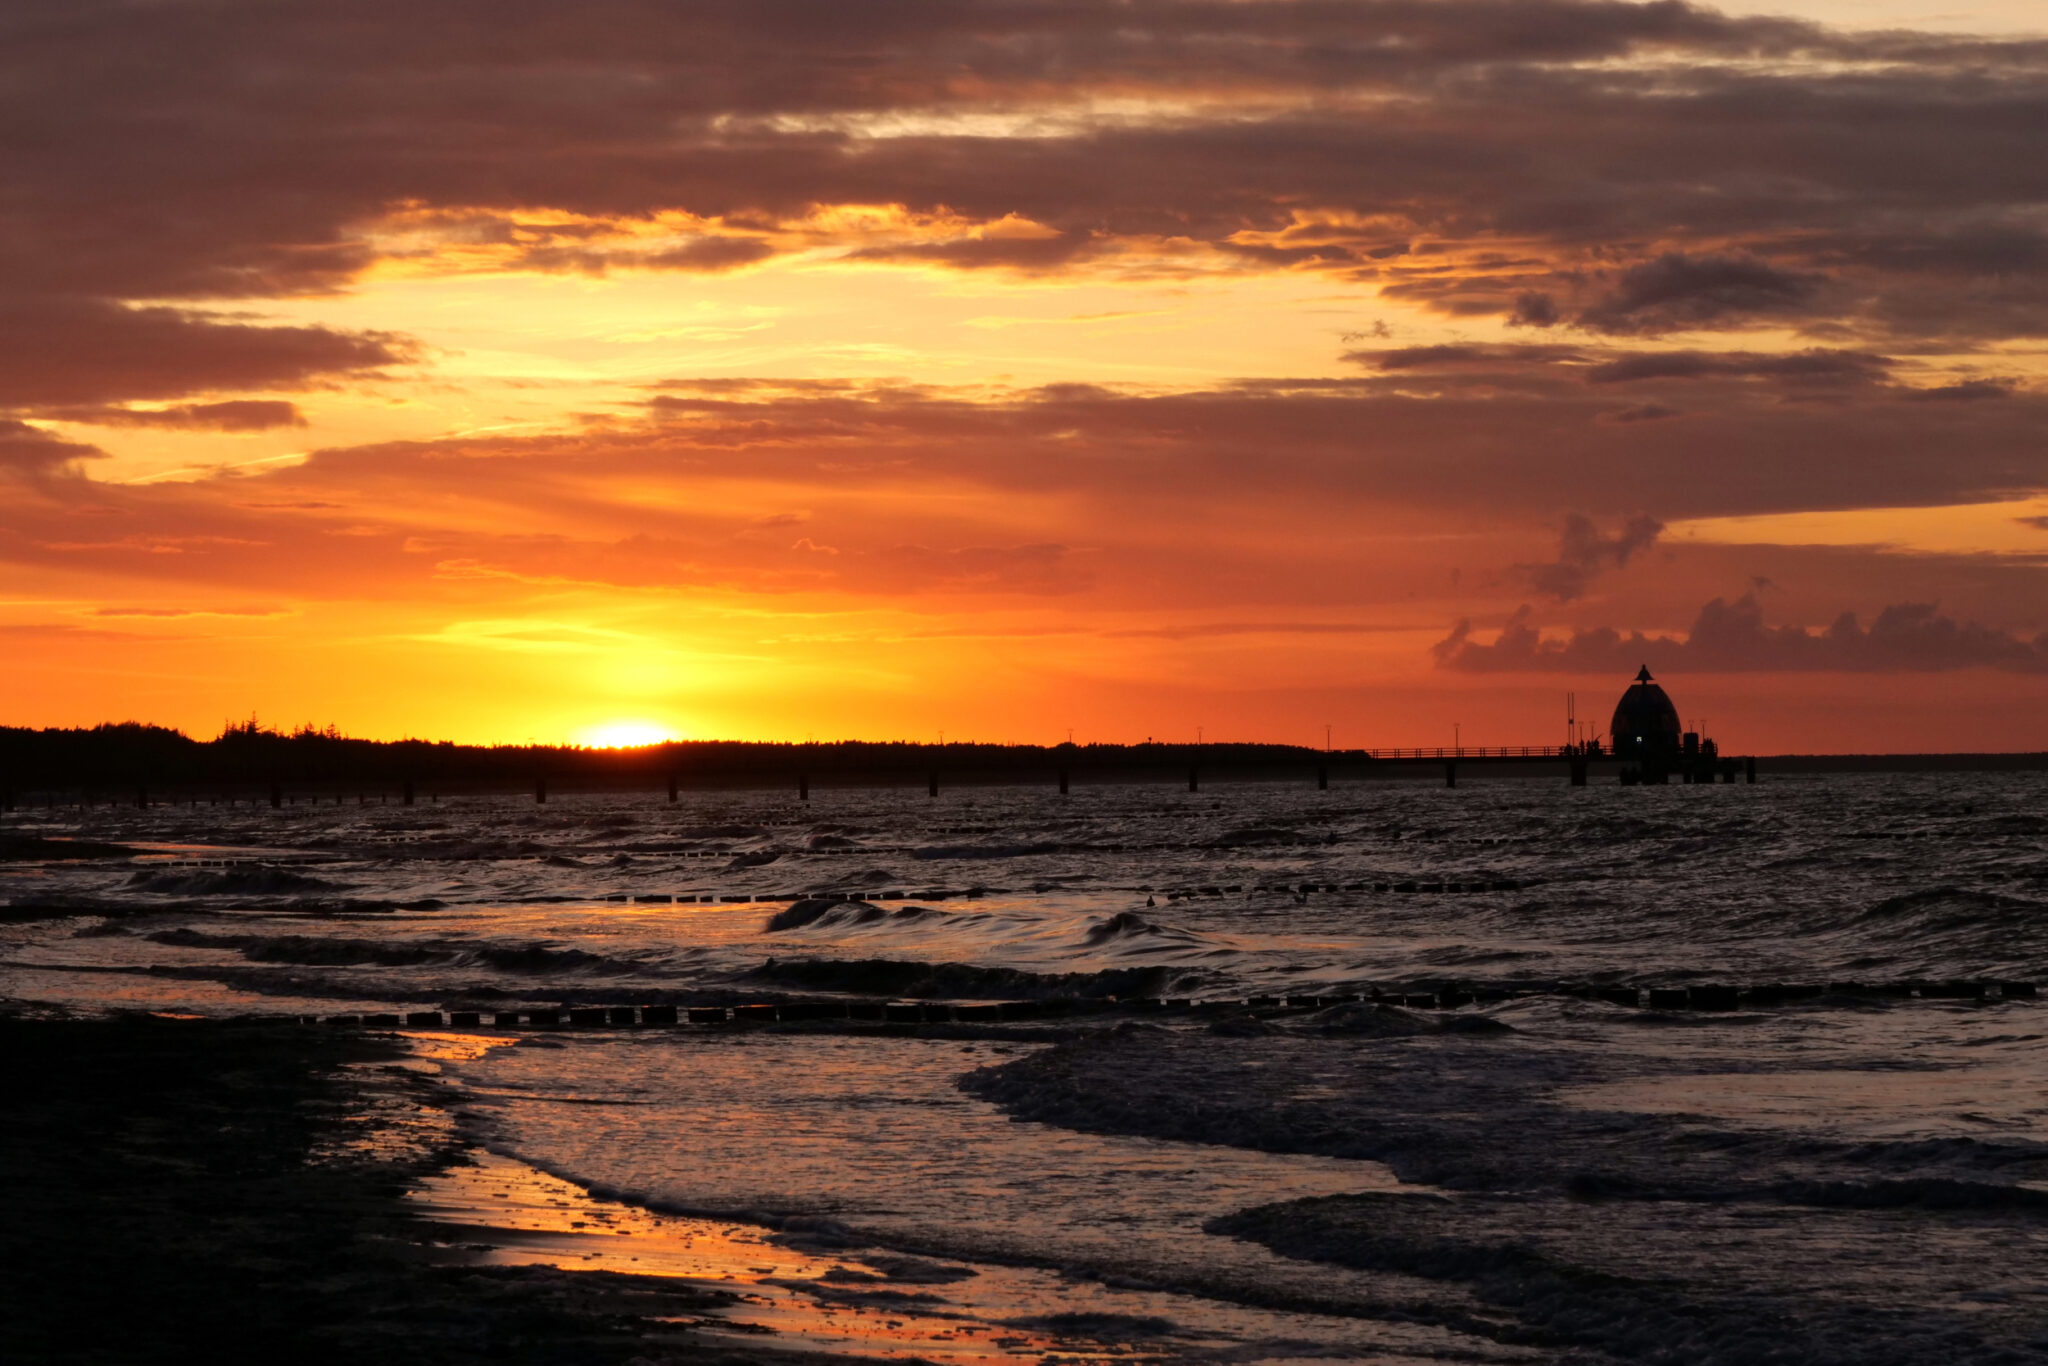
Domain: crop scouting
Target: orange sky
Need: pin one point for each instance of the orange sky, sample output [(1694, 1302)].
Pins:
[(774, 370)]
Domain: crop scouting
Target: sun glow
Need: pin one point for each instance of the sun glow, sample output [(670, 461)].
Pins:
[(625, 735)]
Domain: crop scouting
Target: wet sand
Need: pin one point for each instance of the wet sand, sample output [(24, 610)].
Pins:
[(189, 1190)]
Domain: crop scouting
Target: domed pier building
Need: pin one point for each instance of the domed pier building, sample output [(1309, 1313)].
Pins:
[(1646, 730), (1645, 723)]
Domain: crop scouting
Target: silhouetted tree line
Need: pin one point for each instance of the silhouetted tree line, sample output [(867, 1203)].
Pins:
[(248, 754)]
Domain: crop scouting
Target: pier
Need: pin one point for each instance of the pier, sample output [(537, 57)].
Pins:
[(1061, 770)]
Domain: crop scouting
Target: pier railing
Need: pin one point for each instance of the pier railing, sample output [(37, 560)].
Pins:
[(1481, 752)]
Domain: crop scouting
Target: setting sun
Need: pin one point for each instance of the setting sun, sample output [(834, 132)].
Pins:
[(625, 735)]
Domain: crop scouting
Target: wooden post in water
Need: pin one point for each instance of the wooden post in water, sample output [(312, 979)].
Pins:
[(932, 787), (540, 790), (803, 787), (1450, 773), (1194, 779), (1578, 770), (672, 788), (1749, 769), (405, 798), (142, 799), (277, 796), (1323, 778), (1063, 782)]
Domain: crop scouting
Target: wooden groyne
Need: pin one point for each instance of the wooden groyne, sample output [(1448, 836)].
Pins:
[(1710, 998)]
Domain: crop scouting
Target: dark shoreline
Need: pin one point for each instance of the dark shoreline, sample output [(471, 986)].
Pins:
[(144, 765), (218, 1190)]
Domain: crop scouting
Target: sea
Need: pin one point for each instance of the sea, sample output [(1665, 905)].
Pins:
[(1391, 1072)]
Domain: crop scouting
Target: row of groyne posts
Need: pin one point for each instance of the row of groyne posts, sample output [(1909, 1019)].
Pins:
[(1713, 998), (1579, 761)]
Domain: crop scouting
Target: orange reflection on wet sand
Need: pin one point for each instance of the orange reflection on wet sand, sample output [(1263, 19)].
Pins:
[(880, 1306)]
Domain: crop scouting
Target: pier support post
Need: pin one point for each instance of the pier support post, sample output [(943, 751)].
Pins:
[(1578, 771), (803, 787), (1749, 770), (1194, 779), (142, 799), (1063, 782), (1450, 773), (540, 790), (405, 793), (1323, 779), (932, 787), (277, 796), (672, 787)]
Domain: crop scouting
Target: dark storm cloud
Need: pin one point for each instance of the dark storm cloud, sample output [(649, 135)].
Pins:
[(1731, 637)]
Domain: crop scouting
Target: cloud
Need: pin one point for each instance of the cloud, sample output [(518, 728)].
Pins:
[(1582, 553), (1677, 290), (232, 415), (31, 453), (1751, 171), (1534, 308), (1463, 356), (1963, 391), (58, 352), (703, 255), (1639, 412), (1731, 637), (1815, 366), (1811, 372), (710, 254), (980, 253)]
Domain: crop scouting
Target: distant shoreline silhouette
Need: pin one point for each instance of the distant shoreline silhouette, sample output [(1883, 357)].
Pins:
[(114, 760)]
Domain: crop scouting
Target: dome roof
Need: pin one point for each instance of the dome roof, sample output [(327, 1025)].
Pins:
[(1644, 719)]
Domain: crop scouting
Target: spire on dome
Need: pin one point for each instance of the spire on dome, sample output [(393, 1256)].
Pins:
[(1644, 675)]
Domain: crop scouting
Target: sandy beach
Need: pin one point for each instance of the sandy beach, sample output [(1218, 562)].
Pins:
[(186, 1190)]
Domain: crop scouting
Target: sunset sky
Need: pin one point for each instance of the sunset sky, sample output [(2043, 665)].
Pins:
[(782, 368)]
